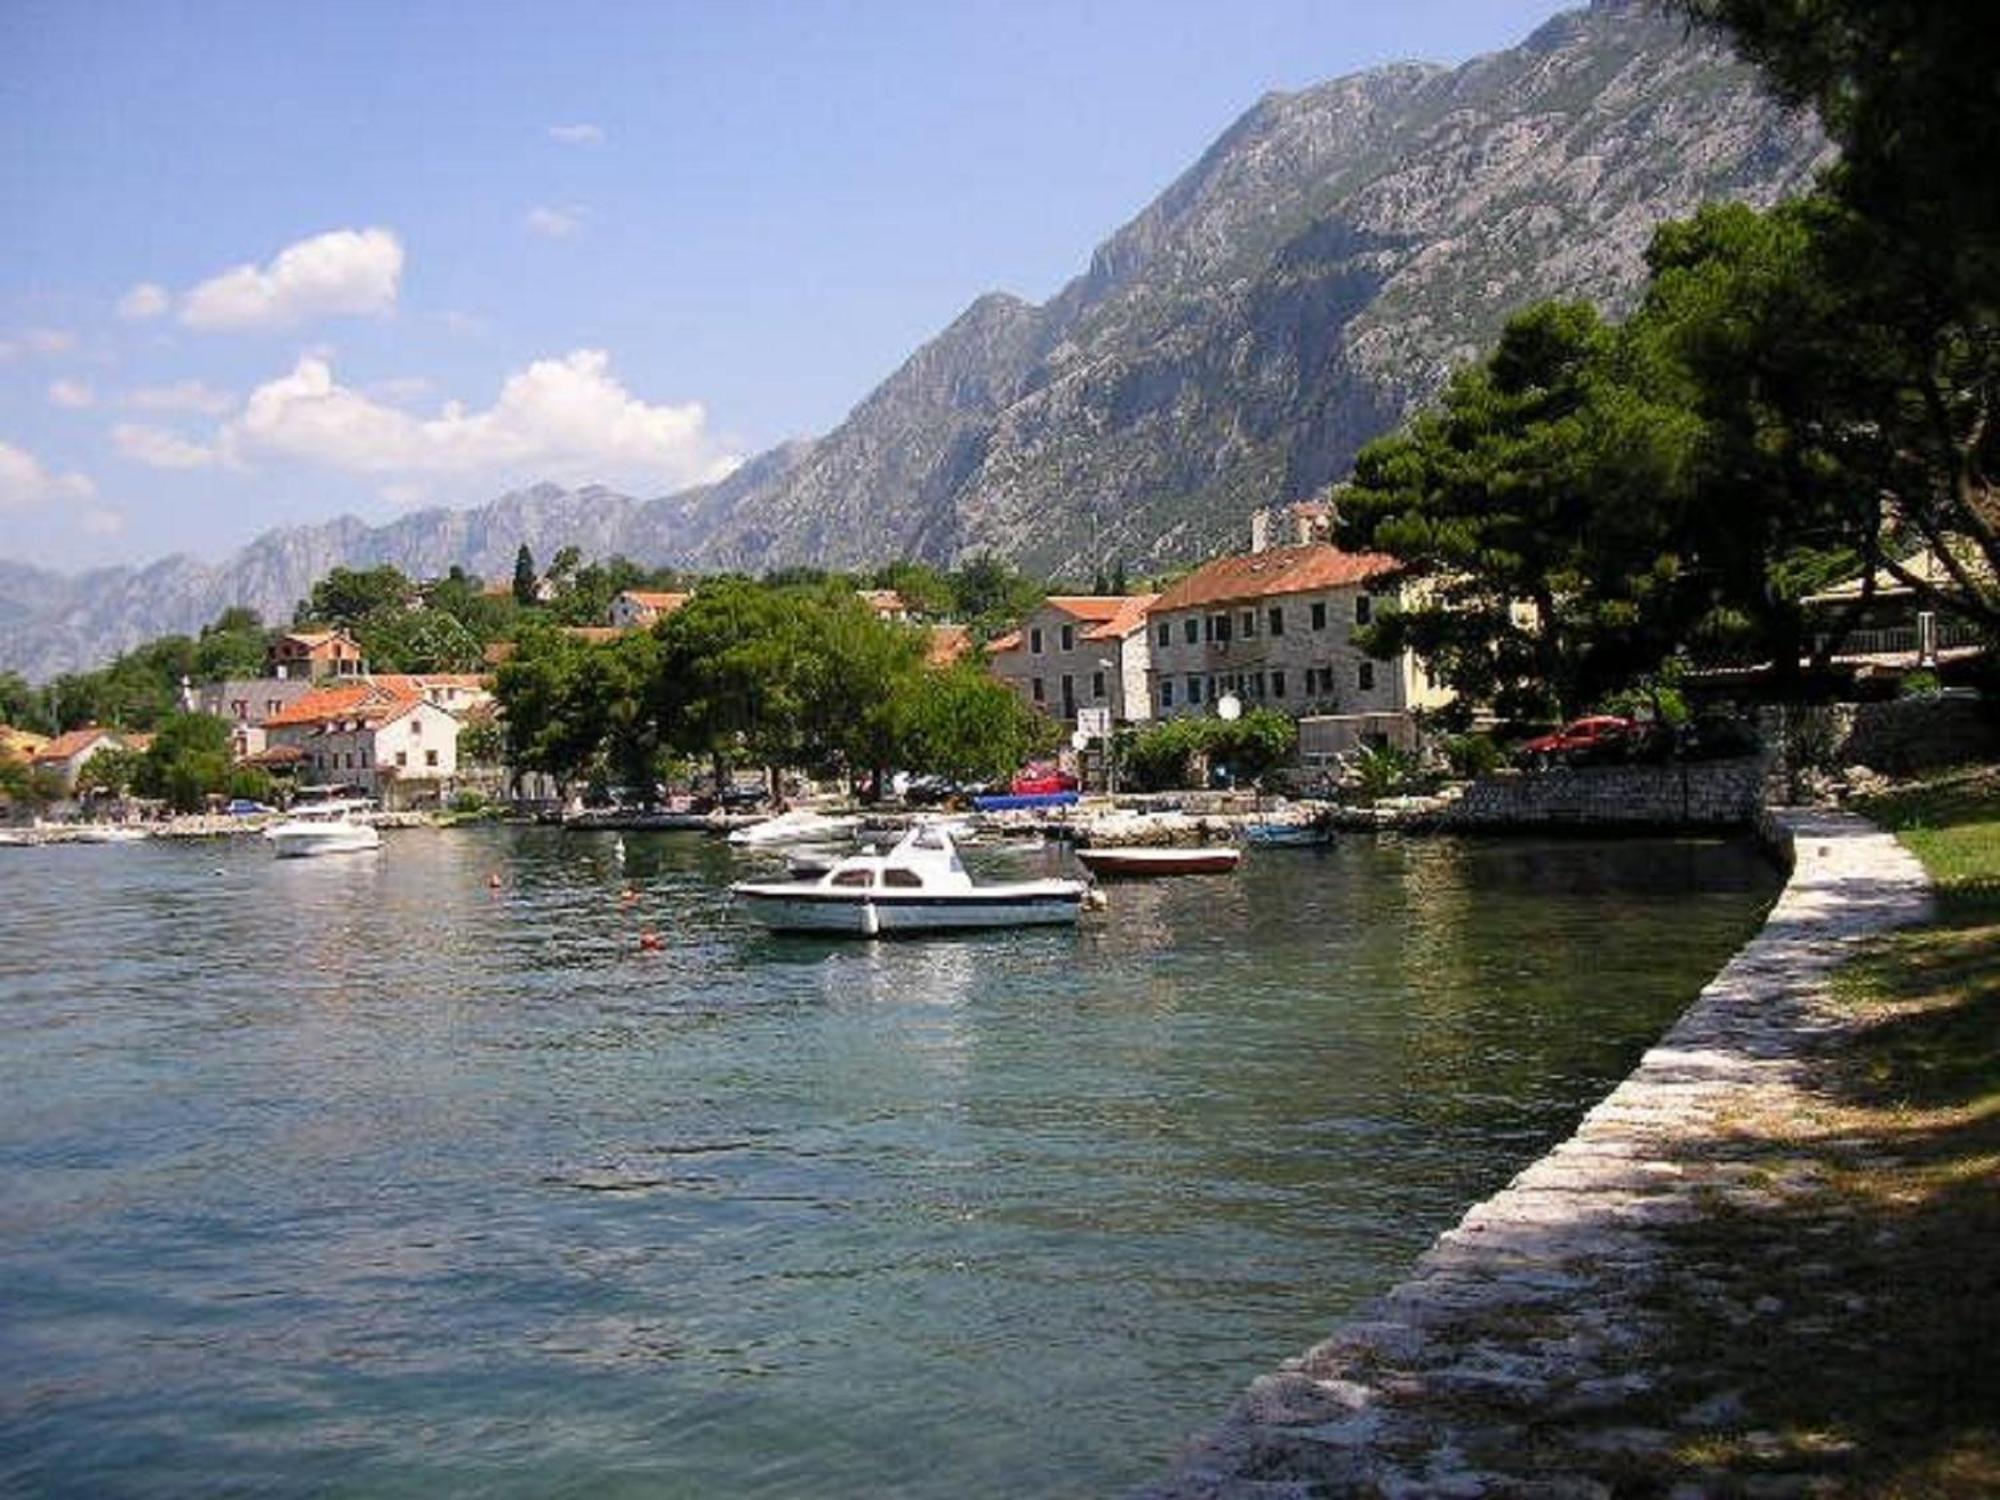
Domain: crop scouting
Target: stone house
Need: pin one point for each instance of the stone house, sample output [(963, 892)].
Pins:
[(635, 609), (69, 752), (1275, 629), (1078, 651), (313, 654)]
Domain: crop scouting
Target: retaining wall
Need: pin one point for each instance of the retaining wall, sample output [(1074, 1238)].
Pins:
[(1702, 794)]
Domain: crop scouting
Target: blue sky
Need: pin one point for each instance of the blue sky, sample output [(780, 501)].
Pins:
[(269, 263)]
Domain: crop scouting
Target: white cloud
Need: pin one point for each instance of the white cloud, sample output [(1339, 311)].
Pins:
[(553, 223), (402, 389), (577, 135), (159, 449), (24, 483), (182, 395), (567, 418), (98, 521), (346, 272), (146, 300), (43, 341), (71, 395)]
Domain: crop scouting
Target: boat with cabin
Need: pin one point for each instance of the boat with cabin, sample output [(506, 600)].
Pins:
[(802, 825), (328, 826), (919, 885)]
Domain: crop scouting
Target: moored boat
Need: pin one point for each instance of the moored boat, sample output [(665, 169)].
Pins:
[(323, 828), (1207, 860), (1286, 835), (920, 885), (801, 825)]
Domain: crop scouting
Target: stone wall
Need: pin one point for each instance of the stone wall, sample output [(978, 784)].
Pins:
[(1896, 738), (1703, 794)]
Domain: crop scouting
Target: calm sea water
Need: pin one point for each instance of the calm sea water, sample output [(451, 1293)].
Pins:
[(360, 1176)]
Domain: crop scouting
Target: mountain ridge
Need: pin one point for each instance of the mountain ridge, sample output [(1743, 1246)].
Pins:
[(1298, 289)]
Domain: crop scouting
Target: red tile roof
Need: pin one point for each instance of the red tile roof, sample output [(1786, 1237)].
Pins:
[(1281, 570), (72, 742), (360, 700), (662, 603), (947, 644), (1130, 616), (1011, 641)]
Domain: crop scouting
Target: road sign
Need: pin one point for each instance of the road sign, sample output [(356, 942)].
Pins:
[(1094, 722)]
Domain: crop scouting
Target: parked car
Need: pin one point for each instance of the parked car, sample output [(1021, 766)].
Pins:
[(244, 807), (1040, 780), (1590, 740)]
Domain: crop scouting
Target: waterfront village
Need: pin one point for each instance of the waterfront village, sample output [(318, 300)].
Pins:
[(1263, 655)]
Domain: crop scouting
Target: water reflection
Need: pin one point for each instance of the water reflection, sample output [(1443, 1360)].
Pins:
[(376, 1176)]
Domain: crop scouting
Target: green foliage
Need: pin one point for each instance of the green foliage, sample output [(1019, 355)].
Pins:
[(251, 784), (348, 597), (1471, 755), (187, 762), (28, 785), (113, 772), (1163, 755), (524, 577), (1919, 685), (398, 639), (1384, 771), (23, 706), (486, 617), (963, 724)]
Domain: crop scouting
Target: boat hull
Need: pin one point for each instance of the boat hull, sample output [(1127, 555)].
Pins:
[(312, 842), (888, 913), (1147, 862)]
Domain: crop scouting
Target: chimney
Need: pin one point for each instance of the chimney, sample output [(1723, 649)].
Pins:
[(1260, 530)]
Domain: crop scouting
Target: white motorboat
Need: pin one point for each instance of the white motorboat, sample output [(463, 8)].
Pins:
[(1276, 835), (323, 828), (920, 885), (107, 833), (800, 826)]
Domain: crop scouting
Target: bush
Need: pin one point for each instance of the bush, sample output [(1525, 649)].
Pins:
[(468, 801), (1471, 755), (1384, 771), (1921, 684)]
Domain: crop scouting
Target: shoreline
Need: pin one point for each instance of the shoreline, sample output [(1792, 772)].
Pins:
[(1514, 1359)]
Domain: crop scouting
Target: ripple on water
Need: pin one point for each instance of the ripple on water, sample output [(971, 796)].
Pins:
[(370, 1176)]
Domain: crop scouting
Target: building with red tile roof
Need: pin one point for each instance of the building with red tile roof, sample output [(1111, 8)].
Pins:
[(314, 654), (635, 609), (1078, 651)]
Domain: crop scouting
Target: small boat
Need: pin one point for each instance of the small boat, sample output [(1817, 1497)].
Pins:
[(107, 833), (1207, 860), (800, 826), (323, 828), (1286, 835), (920, 885)]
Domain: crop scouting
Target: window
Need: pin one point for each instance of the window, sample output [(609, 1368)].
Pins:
[(241, 708), (430, 757), (1191, 630), (1166, 633), (416, 729), (1041, 694), (1194, 689), (1069, 696), (1219, 628), (1166, 693), (1277, 619), (1363, 608), (907, 880), (1367, 676), (1256, 684), (1277, 684), (364, 757), (1319, 615), (854, 877), (402, 758), (1069, 637), (1097, 684), (1035, 641), (1249, 623)]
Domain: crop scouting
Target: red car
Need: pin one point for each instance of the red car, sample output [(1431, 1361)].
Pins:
[(1589, 738), (1036, 781)]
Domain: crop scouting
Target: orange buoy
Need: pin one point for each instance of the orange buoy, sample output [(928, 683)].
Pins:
[(650, 942)]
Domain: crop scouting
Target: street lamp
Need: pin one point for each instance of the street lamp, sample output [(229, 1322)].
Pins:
[(1110, 668)]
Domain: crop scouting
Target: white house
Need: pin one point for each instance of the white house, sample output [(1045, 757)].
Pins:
[(1079, 651), (395, 745)]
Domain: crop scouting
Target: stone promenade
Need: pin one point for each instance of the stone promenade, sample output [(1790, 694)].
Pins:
[(1521, 1357)]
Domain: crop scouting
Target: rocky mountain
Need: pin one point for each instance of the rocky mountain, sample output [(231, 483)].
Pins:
[(1304, 285), (1296, 293)]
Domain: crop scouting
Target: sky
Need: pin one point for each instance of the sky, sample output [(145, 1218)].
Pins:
[(268, 264)]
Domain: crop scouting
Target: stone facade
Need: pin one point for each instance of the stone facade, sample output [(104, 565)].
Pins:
[(1897, 738), (1079, 652)]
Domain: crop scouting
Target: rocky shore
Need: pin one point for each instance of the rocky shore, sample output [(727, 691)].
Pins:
[(1524, 1356)]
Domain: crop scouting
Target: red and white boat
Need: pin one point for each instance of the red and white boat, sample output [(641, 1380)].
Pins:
[(1201, 861)]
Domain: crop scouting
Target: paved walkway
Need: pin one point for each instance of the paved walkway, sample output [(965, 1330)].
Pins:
[(1511, 1362)]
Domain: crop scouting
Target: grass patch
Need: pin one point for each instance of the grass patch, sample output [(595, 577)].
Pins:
[(1874, 1366)]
